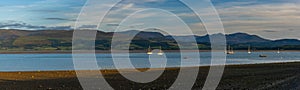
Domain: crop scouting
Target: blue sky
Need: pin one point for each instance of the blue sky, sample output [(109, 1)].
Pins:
[(273, 19)]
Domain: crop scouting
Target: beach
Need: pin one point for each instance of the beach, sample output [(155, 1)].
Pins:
[(252, 76)]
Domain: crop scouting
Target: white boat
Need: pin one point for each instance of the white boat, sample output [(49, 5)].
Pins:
[(230, 50), (149, 51), (249, 50), (278, 51), (160, 53)]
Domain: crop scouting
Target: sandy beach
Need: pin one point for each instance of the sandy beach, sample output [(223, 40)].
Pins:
[(255, 76)]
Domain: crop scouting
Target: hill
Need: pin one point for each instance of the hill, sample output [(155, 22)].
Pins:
[(21, 40)]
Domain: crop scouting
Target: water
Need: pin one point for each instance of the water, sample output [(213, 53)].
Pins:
[(45, 62)]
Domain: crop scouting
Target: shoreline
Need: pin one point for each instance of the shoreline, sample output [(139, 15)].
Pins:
[(154, 69), (134, 51), (129, 69)]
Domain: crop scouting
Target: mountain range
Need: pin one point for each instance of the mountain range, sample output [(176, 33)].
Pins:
[(62, 40)]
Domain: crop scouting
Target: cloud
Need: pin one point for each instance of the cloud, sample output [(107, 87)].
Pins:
[(275, 11), (17, 24), (58, 28), (25, 26), (112, 24), (88, 27), (36, 11), (130, 5), (45, 10), (262, 18), (60, 19), (269, 31)]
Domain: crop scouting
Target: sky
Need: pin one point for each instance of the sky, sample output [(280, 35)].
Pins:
[(272, 19)]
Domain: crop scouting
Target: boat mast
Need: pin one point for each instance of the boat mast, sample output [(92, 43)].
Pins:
[(229, 49), (149, 51), (160, 51)]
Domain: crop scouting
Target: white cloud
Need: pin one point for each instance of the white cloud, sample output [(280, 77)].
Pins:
[(279, 17)]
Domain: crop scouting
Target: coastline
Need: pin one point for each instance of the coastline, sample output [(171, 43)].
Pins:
[(133, 51), (250, 76)]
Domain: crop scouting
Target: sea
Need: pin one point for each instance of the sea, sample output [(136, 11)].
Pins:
[(57, 62)]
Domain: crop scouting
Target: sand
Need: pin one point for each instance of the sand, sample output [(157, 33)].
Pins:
[(256, 76)]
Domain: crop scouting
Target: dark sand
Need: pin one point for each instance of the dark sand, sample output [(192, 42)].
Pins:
[(280, 76)]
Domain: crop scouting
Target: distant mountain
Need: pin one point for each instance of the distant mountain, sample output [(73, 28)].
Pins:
[(237, 38), (243, 41), (142, 34), (286, 42), (62, 40)]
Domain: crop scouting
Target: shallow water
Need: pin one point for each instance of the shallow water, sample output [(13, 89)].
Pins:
[(34, 62)]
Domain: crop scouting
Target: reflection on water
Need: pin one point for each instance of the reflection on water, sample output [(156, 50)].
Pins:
[(33, 62)]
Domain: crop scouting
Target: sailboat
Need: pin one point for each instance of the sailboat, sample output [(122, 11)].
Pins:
[(249, 50), (263, 55), (160, 52), (278, 51), (149, 51), (230, 50)]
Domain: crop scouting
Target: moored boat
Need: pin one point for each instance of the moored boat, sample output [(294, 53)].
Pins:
[(149, 51)]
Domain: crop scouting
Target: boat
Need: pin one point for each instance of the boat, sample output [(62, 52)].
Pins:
[(160, 53), (149, 51), (185, 58), (263, 55), (230, 50), (249, 50), (278, 51)]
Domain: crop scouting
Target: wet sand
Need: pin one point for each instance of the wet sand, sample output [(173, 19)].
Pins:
[(280, 76)]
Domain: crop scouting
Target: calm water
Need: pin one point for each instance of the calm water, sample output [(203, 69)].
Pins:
[(34, 62)]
